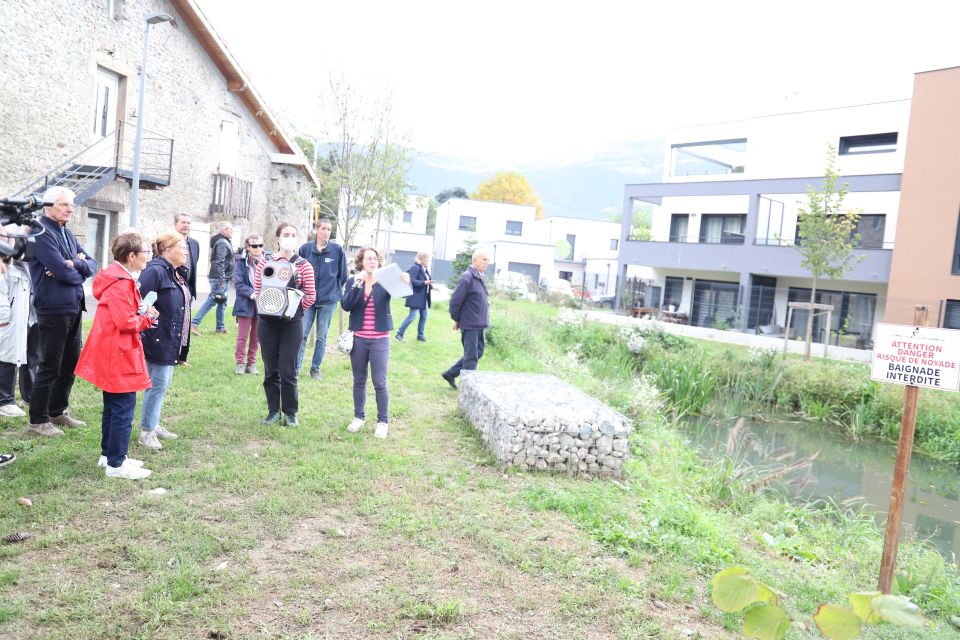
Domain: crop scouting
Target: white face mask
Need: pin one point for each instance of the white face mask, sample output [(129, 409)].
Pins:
[(288, 243)]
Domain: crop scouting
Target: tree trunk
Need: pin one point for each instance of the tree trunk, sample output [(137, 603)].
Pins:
[(813, 297)]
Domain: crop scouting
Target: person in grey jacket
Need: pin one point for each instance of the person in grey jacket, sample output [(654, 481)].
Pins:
[(221, 273), (17, 321), (469, 307)]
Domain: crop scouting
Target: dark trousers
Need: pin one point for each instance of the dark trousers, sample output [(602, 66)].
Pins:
[(375, 353), (116, 425), (279, 345), (28, 371), (60, 345), (472, 340)]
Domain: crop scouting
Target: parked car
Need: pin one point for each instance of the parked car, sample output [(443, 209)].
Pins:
[(515, 283), (556, 287), (606, 300)]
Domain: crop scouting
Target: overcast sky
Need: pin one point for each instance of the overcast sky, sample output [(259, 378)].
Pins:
[(509, 84)]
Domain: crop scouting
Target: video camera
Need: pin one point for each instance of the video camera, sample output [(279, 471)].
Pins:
[(21, 211)]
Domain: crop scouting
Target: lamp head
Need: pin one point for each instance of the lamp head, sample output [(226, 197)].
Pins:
[(155, 18)]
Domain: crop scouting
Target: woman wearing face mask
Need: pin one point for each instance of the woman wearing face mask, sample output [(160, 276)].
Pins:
[(280, 336), (112, 357), (165, 343), (245, 306), (369, 306)]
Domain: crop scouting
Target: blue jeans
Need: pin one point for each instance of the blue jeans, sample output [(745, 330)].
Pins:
[(420, 325), (209, 303), (323, 315), (116, 424), (160, 376)]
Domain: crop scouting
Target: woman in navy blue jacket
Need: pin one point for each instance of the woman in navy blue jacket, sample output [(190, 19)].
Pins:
[(164, 344), (419, 302), (371, 323), (245, 306)]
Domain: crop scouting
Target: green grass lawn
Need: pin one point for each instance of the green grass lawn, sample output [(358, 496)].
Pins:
[(311, 532)]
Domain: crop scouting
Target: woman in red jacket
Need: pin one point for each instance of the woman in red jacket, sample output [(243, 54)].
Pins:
[(112, 358)]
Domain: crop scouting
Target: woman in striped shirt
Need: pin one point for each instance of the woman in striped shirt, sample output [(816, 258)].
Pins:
[(371, 323), (280, 336)]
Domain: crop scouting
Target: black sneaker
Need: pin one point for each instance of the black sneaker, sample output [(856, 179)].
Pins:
[(314, 374), (450, 378), (290, 419), (421, 339), (399, 337), (273, 418)]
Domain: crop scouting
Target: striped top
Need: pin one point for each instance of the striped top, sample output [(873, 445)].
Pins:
[(369, 322), (305, 281)]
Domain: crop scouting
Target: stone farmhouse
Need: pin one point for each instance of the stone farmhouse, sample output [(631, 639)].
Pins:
[(68, 115)]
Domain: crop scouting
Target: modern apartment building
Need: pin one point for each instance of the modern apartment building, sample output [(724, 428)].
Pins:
[(399, 238), (926, 262), (724, 225)]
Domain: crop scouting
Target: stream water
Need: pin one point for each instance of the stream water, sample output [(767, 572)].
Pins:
[(858, 472)]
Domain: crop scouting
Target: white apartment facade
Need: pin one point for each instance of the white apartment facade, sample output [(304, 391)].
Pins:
[(725, 217), (400, 238)]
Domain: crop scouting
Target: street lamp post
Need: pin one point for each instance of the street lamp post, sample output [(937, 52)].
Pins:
[(151, 19)]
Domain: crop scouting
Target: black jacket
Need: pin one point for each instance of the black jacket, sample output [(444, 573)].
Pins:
[(420, 298), (469, 304), (189, 270), (221, 258), (354, 302), (61, 293), (161, 344)]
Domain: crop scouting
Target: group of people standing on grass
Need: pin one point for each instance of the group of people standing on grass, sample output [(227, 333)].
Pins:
[(143, 324)]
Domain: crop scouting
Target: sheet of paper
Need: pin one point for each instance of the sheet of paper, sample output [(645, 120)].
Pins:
[(389, 279)]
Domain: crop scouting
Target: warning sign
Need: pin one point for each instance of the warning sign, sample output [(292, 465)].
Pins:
[(918, 356)]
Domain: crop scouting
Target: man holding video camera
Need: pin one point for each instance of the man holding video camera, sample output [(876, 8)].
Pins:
[(57, 271)]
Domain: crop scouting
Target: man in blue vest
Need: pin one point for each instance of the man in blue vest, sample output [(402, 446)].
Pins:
[(57, 271), (330, 271)]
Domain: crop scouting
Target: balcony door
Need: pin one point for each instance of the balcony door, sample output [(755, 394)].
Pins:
[(722, 229), (105, 97)]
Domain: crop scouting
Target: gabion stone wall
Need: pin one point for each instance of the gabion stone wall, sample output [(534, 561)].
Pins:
[(537, 421)]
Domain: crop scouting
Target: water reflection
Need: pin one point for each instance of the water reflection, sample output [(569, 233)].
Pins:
[(858, 472)]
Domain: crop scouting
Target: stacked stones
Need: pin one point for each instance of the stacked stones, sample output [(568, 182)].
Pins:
[(536, 421)]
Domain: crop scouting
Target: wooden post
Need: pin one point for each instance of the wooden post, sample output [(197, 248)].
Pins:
[(901, 467)]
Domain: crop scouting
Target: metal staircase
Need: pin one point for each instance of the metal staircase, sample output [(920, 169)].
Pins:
[(109, 159)]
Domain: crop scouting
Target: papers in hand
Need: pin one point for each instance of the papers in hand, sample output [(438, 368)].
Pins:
[(389, 278)]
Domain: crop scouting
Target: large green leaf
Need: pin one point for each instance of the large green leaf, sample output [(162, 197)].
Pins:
[(862, 604), (734, 588), (837, 623), (766, 622), (899, 611)]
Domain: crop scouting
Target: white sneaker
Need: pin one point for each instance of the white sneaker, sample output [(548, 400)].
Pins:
[(102, 462), (355, 426), (381, 431), (149, 440), (128, 471), (11, 411), (166, 435)]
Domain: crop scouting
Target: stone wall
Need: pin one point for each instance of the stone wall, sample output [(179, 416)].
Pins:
[(52, 49), (536, 421)]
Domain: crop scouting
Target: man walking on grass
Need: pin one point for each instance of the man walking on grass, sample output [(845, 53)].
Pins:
[(469, 310), (221, 273)]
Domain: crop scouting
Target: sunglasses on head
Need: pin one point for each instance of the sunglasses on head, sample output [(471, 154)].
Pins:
[(255, 246)]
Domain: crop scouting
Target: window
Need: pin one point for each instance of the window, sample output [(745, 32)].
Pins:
[(408, 216), (97, 241), (614, 244), (871, 227), (722, 229), (708, 158), (715, 304), (355, 213), (566, 275), (853, 314), (872, 143), (572, 241), (951, 316), (672, 292), (468, 223), (514, 228), (679, 222)]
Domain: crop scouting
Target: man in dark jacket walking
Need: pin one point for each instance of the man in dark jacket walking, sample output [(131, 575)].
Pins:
[(221, 273), (57, 270), (469, 307), (330, 270)]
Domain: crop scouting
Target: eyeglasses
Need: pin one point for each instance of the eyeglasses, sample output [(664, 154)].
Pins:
[(255, 246), (66, 205), (146, 251)]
